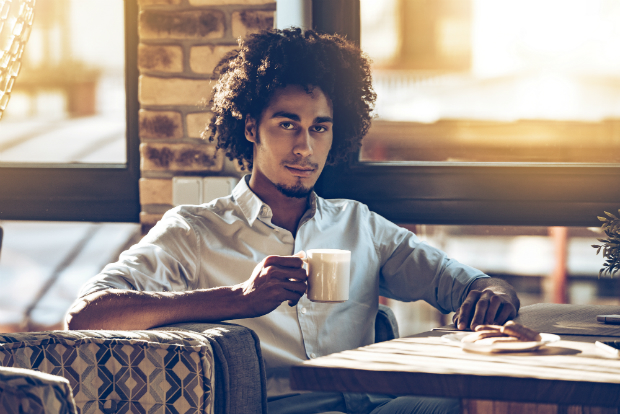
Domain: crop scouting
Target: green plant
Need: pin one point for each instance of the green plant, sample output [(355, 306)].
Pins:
[(611, 245)]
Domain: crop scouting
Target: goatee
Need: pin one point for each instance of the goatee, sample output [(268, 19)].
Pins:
[(296, 191)]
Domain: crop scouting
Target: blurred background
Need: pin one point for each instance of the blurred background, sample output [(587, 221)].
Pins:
[(494, 80), (68, 103), (67, 106), (462, 81)]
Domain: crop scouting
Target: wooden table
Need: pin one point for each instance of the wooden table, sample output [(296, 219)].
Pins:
[(569, 376)]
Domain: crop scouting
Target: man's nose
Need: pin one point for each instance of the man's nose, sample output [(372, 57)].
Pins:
[(303, 145)]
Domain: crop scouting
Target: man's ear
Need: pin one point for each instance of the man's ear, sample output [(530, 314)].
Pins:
[(251, 129)]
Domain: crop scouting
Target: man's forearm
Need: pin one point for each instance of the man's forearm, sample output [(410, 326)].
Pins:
[(132, 310)]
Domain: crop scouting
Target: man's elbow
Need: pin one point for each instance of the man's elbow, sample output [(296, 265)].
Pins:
[(72, 321), (81, 314)]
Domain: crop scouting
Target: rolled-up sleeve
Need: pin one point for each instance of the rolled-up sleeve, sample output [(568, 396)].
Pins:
[(413, 270), (166, 259)]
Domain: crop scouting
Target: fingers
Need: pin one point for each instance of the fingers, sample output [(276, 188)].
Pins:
[(494, 305), (283, 261), (285, 267), (465, 312), (285, 273), (507, 312), (287, 283), (272, 293), (486, 312), (486, 309), (291, 292), (483, 308), (298, 287)]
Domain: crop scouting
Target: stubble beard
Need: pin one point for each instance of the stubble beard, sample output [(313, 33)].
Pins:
[(296, 191)]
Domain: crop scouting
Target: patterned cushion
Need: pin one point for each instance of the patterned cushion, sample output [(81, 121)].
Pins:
[(240, 386), (27, 391), (121, 371)]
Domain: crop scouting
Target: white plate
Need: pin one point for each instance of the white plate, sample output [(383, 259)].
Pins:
[(455, 339)]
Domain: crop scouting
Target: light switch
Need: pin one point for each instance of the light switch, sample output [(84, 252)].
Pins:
[(186, 190), (216, 187)]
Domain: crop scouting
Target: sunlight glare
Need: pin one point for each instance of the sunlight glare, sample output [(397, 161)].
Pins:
[(511, 36)]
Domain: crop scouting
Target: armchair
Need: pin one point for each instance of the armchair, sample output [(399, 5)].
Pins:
[(188, 367), (27, 391)]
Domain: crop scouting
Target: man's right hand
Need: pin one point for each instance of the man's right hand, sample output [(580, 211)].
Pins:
[(274, 280)]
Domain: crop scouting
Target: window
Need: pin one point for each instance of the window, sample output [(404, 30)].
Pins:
[(489, 112), (68, 139)]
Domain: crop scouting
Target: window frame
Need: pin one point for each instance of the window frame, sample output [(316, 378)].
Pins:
[(533, 194), (82, 192)]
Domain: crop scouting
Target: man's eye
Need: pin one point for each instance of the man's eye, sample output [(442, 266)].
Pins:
[(287, 125), (320, 128)]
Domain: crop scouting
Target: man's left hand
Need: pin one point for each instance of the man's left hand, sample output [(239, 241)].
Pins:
[(489, 302)]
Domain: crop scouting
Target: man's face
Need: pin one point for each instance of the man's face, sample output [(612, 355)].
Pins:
[(292, 140)]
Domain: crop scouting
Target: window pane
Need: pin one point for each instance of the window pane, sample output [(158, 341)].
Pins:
[(494, 80), (68, 102), (44, 265), (539, 262)]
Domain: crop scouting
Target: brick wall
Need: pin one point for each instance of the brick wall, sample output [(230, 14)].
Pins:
[(181, 41)]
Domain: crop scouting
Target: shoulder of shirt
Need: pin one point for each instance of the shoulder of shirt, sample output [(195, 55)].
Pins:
[(342, 204), (216, 207)]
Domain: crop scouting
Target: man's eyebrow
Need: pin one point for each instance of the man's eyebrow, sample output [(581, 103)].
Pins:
[(295, 117), (284, 114), (321, 119)]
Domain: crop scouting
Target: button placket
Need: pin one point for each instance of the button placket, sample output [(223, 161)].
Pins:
[(306, 326)]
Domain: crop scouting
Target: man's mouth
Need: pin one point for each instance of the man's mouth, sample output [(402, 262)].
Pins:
[(300, 171)]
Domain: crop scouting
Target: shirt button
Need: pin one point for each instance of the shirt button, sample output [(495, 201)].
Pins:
[(313, 355), (277, 231), (303, 310)]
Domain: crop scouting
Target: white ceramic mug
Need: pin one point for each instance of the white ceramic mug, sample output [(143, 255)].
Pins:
[(329, 271)]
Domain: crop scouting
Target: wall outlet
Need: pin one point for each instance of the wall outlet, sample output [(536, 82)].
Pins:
[(199, 190), (186, 190), (215, 187)]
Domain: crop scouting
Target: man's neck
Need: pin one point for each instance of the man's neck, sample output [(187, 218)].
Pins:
[(287, 211)]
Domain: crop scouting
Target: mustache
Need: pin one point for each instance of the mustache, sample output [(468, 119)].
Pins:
[(298, 162)]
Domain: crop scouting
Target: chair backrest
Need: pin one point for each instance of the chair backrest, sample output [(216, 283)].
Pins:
[(386, 326), (29, 391)]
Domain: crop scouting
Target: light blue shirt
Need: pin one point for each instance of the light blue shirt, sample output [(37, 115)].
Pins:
[(220, 243)]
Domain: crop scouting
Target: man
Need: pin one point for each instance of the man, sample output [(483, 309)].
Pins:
[(286, 104)]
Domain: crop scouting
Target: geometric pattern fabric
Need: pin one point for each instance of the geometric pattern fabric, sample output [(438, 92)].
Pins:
[(27, 391), (121, 371)]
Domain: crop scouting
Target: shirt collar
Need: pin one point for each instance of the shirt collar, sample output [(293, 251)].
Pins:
[(248, 202), (312, 208), (253, 207)]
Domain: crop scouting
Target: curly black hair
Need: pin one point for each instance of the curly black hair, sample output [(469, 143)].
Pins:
[(273, 59)]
